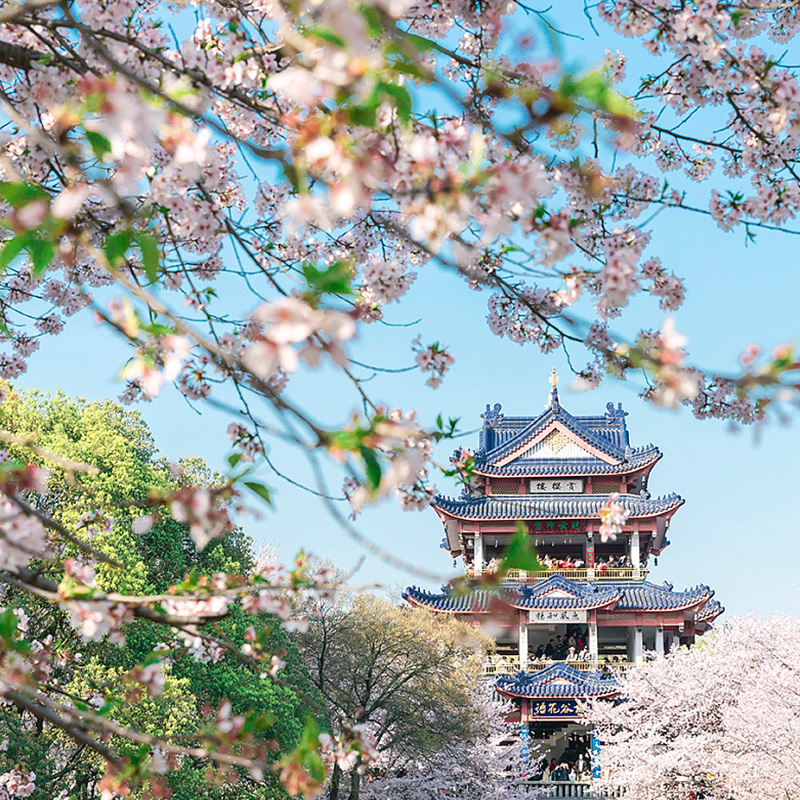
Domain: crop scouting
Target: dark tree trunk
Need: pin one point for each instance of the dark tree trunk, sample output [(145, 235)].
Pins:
[(355, 781), (336, 777)]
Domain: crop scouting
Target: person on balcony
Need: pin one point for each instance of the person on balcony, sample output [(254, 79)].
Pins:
[(572, 655)]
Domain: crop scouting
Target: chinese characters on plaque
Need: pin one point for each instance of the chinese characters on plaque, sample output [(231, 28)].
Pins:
[(555, 526), (556, 485), (557, 616), (553, 709)]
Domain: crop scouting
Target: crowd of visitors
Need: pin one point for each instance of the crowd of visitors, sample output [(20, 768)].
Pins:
[(570, 647), (574, 764), (561, 563), (601, 564), (613, 562)]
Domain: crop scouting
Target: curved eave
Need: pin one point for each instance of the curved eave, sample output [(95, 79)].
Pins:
[(479, 608), (710, 612), (685, 607), (419, 602), (569, 471), (598, 696), (694, 601), (508, 512), (570, 685), (603, 603)]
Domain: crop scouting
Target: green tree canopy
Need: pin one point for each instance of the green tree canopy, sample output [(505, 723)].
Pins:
[(409, 677), (104, 505)]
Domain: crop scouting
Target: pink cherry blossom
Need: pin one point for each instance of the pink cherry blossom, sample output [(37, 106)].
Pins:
[(613, 516)]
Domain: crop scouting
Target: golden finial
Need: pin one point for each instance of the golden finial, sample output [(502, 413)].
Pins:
[(553, 381)]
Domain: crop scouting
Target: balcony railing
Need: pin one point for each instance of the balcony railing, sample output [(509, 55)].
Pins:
[(597, 574), (579, 789), (509, 666)]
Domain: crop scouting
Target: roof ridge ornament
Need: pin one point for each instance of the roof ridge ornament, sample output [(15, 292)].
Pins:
[(552, 400), (615, 414), (492, 416)]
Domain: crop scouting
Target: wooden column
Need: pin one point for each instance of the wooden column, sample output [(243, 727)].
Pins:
[(594, 647), (634, 553), (523, 639), (478, 552)]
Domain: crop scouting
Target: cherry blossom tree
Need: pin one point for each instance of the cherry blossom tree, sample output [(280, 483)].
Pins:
[(486, 764), (238, 189), (719, 720)]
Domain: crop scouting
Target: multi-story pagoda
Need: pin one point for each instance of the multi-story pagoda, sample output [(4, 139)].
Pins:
[(591, 611)]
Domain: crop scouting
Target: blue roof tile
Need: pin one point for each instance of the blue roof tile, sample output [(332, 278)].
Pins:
[(474, 602), (710, 611), (582, 595), (614, 595), (557, 680), (570, 466), (551, 507), (652, 597), (501, 436)]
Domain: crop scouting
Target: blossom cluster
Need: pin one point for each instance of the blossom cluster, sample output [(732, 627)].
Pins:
[(613, 517), (22, 536), (434, 359)]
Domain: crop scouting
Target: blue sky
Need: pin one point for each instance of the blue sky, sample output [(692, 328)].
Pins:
[(738, 529)]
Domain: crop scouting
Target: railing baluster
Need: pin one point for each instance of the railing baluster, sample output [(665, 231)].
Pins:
[(610, 573)]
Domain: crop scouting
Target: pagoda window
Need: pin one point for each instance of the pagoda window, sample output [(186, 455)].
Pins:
[(606, 488), (612, 644), (507, 487)]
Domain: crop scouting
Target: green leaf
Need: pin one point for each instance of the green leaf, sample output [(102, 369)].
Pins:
[(422, 44), (260, 490), (100, 145), (597, 88), (8, 626), (42, 252), (150, 255), (326, 34), (401, 97), (116, 246), (334, 280), (372, 16), (364, 115), (20, 194), (234, 459), (520, 553), (13, 248), (372, 467)]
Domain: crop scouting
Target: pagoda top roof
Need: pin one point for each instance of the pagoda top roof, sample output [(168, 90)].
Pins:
[(552, 507), (558, 680), (557, 592), (512, 445)]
